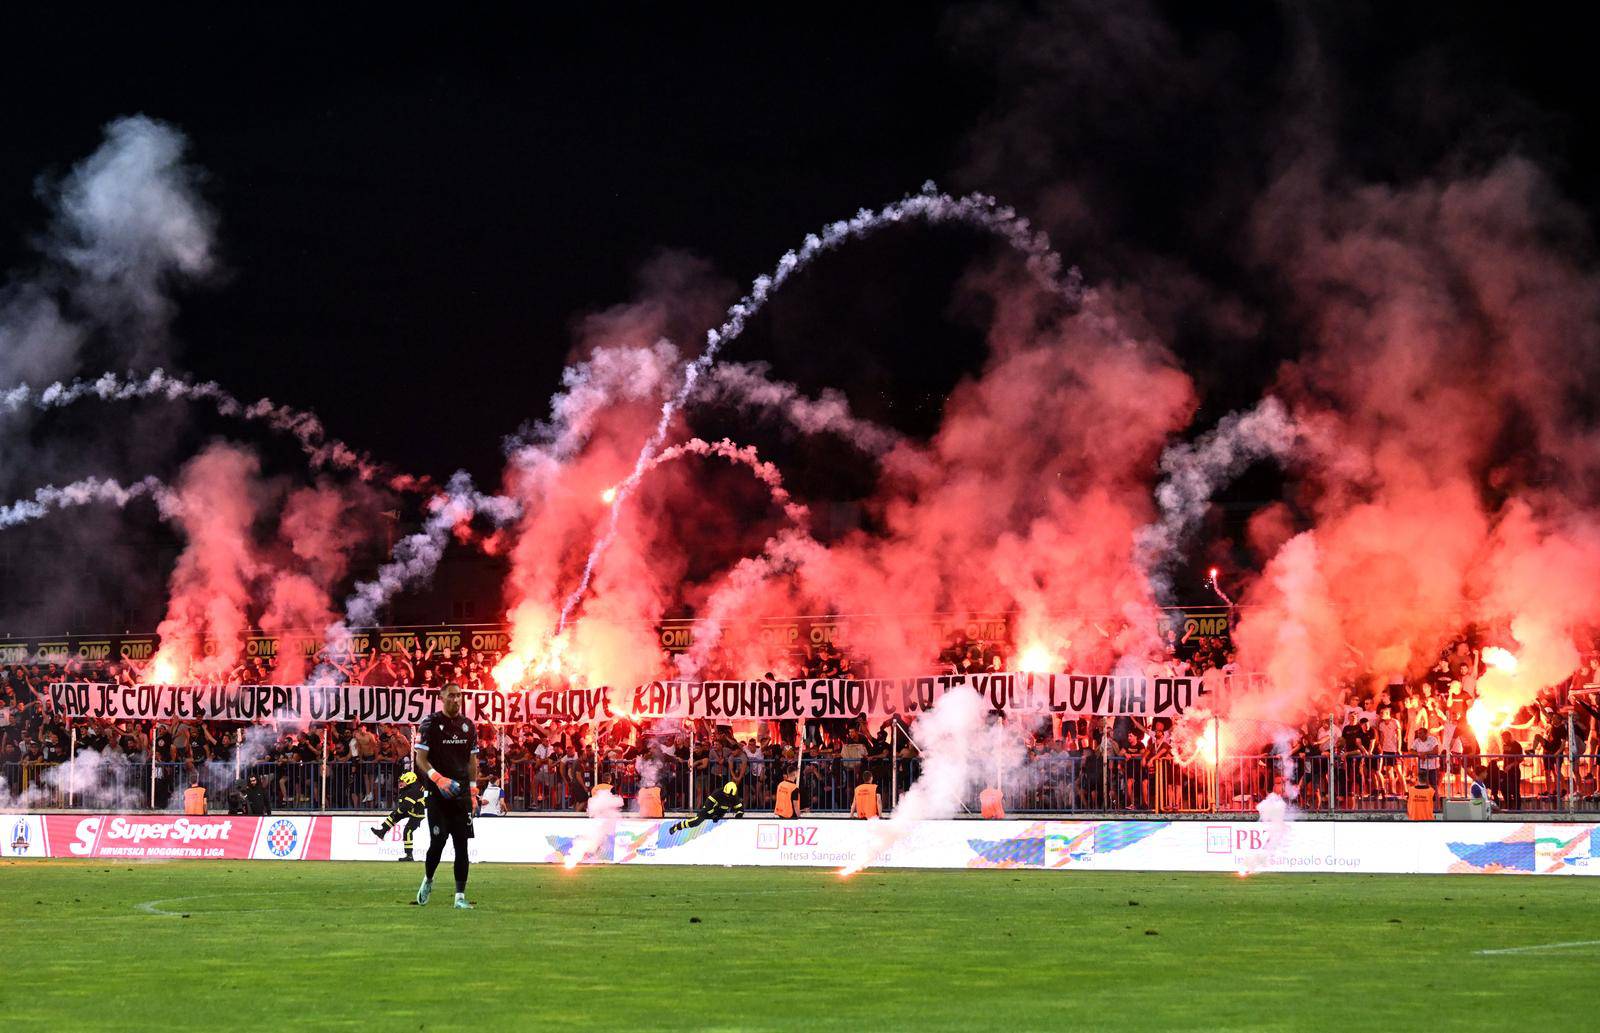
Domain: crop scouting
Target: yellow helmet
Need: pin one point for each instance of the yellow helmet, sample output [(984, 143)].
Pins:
[(408, 777), (731, 789)]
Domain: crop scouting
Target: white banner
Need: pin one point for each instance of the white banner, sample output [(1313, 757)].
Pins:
[(1071, 695)]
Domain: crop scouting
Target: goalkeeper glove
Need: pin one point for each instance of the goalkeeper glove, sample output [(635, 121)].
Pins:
[(448, 786)]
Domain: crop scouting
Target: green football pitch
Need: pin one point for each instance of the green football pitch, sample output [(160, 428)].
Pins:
[(213, 945)]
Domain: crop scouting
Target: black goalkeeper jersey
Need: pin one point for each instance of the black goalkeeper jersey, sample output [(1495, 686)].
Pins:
[(450, 742)]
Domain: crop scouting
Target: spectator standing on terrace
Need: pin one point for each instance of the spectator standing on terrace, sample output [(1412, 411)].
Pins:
[(364, 745), (1387, 736), (1549, 743), (384, 669), (851, 753), (1134, 769), (1426, 747)]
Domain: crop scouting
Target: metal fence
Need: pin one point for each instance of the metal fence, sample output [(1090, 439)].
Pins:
[(1076, 782)]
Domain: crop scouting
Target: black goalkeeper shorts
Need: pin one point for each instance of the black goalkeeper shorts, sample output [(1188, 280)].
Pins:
[(449, 817)]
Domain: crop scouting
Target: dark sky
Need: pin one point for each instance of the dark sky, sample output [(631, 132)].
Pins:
[(413, 210), (412, 215)]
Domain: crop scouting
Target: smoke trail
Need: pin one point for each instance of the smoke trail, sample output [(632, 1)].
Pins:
[(1193, 471), (89, 491), (961, 752), (747, 385), (978, 210), (417, 555), (746, 456), (305, 427), (608, 375)]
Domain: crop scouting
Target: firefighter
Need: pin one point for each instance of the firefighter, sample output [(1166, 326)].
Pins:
[(722, 804), (410, 807)]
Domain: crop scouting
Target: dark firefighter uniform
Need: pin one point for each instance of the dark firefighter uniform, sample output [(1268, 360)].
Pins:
[(410, 808), (724, 803)]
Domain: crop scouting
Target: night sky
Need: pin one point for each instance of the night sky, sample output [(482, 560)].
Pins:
[(414, 211)]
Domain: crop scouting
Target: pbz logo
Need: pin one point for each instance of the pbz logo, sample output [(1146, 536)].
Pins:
[(780, 837), (1250, 839), (282, 837)]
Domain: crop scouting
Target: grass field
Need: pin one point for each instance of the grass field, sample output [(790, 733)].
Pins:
[(214, 945)]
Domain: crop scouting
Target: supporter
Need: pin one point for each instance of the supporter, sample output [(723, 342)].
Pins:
[(1426, 748), (1387, 736), (1549, 745)]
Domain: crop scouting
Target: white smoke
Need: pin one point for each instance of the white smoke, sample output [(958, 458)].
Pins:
[(650, 771), (1193, 471), (748, 385), (130, 219), (416, 556), (99, 780), (588, 388), (746, 456), (962, 751), (604, 809), (126, 223), (89, 491), (1276, 812), (305, 427)]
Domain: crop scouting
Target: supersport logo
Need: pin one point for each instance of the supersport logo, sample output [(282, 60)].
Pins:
[(179, 830)]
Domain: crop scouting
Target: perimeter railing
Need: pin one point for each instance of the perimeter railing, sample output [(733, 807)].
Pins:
[(1064, 783)]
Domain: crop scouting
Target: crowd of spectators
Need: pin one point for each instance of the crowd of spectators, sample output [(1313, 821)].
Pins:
[(1387, 735), (1380, 740)]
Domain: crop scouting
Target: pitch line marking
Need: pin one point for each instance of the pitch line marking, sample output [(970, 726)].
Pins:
[(152, 907), (149, 906), (1542, 947)]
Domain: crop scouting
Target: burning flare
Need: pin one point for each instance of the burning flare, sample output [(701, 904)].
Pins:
[(1036, 659)]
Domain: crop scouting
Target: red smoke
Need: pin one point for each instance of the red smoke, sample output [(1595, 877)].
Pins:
[(210, 586), (1447, 481), (228, 580)]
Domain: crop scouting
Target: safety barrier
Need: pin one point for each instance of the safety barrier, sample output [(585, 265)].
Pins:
[(1076, 782)]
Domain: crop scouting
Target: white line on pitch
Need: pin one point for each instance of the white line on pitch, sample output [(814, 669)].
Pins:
[(1541, 947)]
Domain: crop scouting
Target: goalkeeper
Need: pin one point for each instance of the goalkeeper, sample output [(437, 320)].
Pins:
[(413, 803), (718, 805), (446, 756)]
